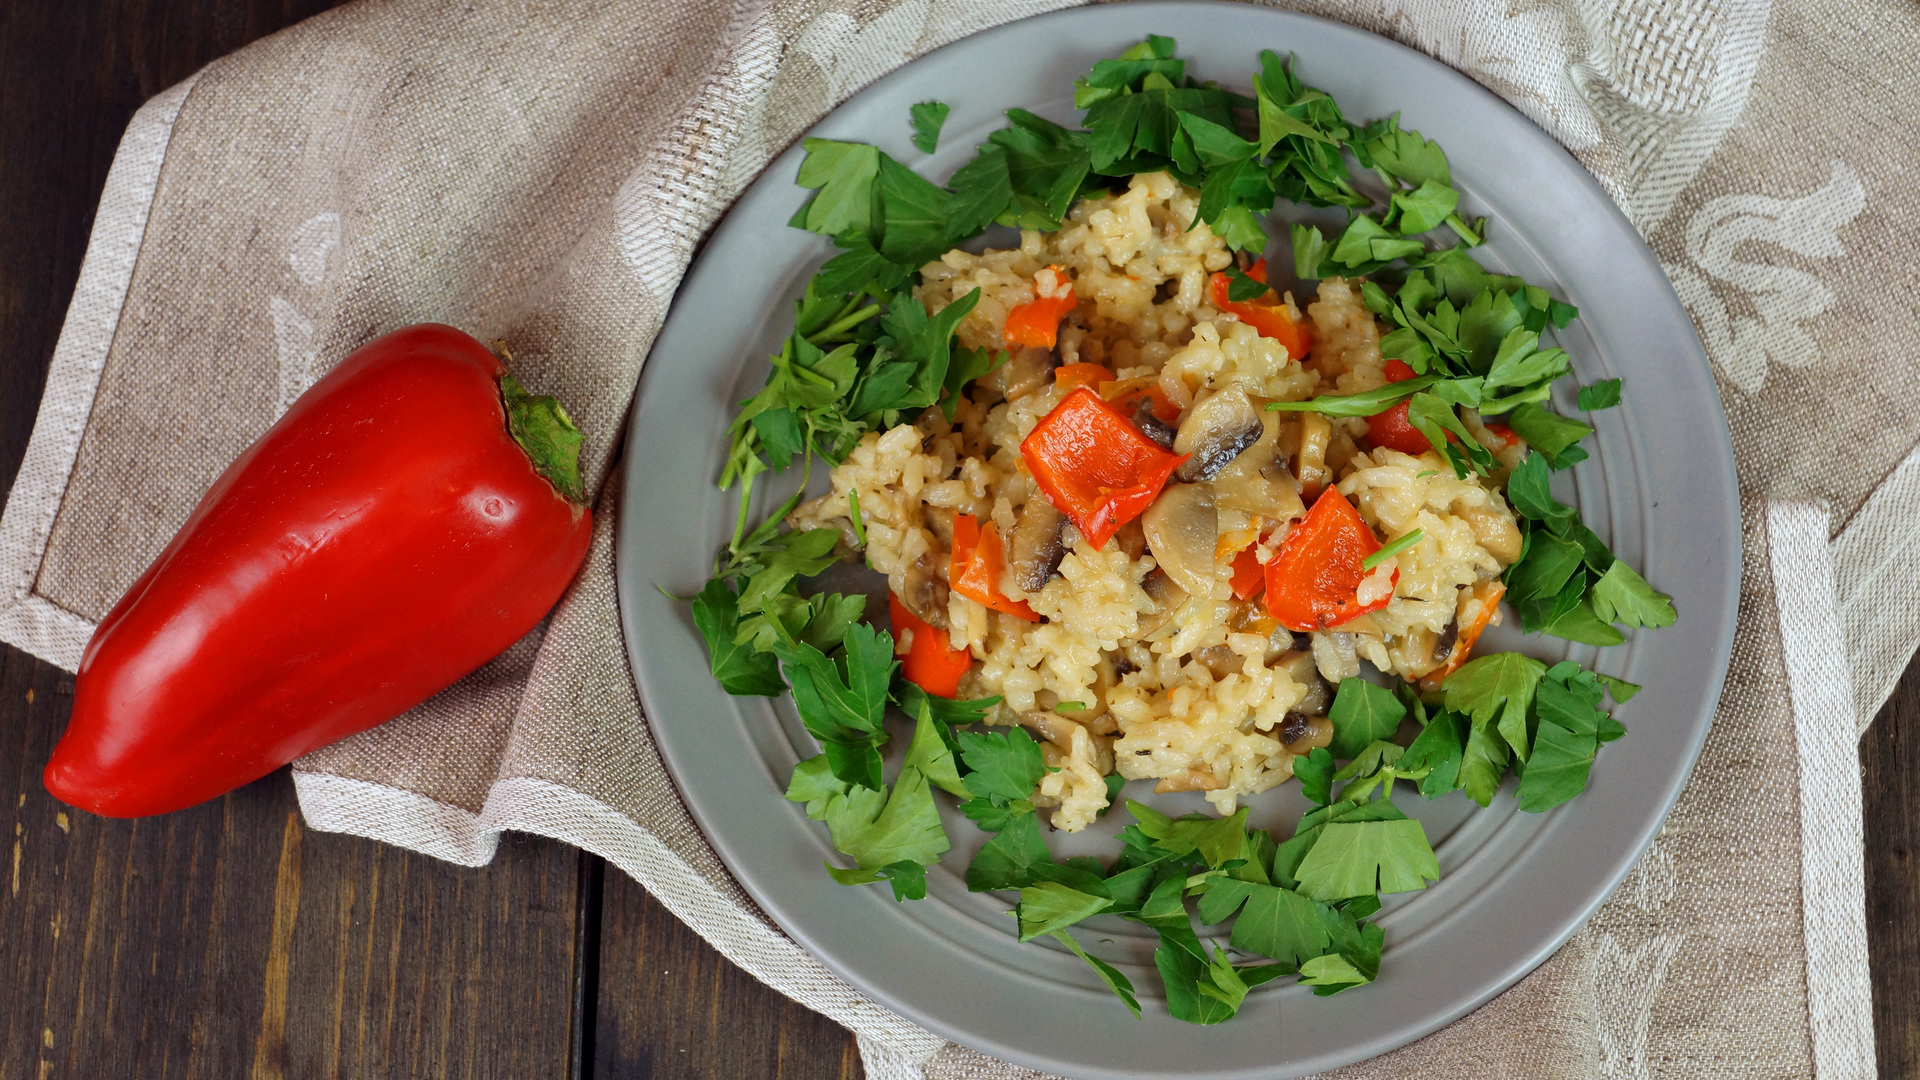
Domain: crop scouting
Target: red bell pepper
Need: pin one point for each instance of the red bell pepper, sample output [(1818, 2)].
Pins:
[(1313, 580), (1490, 593), (1266, 314), (1067, 376), (1164, 410), (974, 570), (1036, 323), (390, 534), (1095, 465), (1392, 428), (931, 661), (1249, 577)]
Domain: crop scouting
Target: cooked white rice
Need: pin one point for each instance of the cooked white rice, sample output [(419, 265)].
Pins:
[(1196, 700)]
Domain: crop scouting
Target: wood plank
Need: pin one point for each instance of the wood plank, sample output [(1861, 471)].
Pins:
[(671, 1008), (227, 941), (1890, 776)]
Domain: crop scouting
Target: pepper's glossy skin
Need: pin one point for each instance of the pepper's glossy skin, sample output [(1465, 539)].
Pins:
[(384, 538), (1314, 579), (1095, 466)]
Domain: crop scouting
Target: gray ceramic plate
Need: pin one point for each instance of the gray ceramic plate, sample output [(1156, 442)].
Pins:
[(1660, 487)]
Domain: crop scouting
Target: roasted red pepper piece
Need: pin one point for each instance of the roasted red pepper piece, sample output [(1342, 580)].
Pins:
[(1095, 465), (1489, 593), (1067, 376), (1249, 577), (1036, 323), (1392, 429), (974, 570), (1312, 580), (384, 538), (1266, 314), (931, 661)]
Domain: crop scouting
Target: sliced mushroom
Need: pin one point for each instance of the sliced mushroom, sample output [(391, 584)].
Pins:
[(1300, 732), (1027, 370), (1220, 660), (1132, 538), (1152, 426), (1193, 778), (1258, 481), (1038, 543), (1182, 528), (1311, 466), (1051, 726), (1300, 666), (923, 593), (1167, 596), (1215, 431), (939, 522)]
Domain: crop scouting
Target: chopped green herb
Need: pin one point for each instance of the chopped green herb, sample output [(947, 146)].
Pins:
[(927, 117), (1392, 548)]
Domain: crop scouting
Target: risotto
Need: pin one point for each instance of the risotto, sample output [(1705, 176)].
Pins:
[(1157, 653)]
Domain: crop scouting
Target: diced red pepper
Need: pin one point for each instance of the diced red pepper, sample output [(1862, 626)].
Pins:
[(1490, 594), (1095, 465), (1313, 579), (931, 662), (1036, 323), (1266, 314), (1067, 376), (1164, 410), (1392, 428), (1249, 577), (1505, 433), (974, 571)]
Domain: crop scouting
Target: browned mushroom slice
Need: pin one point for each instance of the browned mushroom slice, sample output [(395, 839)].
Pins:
[(1152, 426), (1038, 543), (1182, 530), (1167, 596), (1050, 726), (1215, 431), (1300, 732), (1220, 660), (1259, 481), (923, 593), (1027, 370), (1193, 778)]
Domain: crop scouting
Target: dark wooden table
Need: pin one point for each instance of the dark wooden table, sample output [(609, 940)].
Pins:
[(229, 941)]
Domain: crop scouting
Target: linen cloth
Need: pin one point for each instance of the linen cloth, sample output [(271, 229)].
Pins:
[(542, 173)]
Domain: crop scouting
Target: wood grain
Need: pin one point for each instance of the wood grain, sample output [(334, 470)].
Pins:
[(1890, 772), (226, 941), (671, 1008)]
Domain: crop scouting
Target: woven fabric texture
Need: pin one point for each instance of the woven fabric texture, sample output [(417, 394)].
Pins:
[(544, 179)]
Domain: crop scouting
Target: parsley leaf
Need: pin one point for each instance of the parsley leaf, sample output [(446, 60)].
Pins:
[(1007, 860), (1004, 765), (1495, 692), (1360, 858), (1555, 436), (1604, 394), (1623, 596), (844, 173), (1116, 981), (1362, 712), (740, 669), (1315, 770), (1050, 906), (928, 753), (927, 118)]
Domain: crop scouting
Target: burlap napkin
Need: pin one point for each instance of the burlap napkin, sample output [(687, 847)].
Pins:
[(543, 177)]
